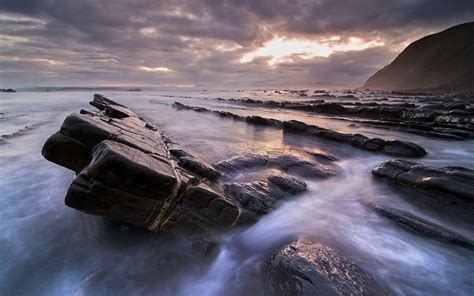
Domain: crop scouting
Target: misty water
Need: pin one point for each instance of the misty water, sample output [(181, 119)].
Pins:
[(47, 248)]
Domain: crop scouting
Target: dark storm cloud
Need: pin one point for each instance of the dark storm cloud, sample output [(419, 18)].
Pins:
[(202, 41)]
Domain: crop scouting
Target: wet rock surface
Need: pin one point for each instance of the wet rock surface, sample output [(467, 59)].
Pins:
[(307, 268), (260, 182), (391, 147), (285, 163), (426, 116), (457, 182), (126, 173), (261, 197), (422, 226), (131, 174)]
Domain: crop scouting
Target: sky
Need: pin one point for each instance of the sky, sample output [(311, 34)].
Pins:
[(211, 43)]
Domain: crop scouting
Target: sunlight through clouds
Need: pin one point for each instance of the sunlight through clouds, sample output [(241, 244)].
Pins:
[(282, 50), (156, 69)]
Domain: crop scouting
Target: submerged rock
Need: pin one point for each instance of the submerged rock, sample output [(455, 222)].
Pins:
[(453, 181), (306, 268)]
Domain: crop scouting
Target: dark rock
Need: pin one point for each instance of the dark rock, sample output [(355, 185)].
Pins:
[(285, 163), (330, 108), (262, 197), (122, 183), (201, 209), (263, 121), (306, 268), (422, 226), (7, 90), (304, 168), (322, 156), (59, 149), (395, 147), (200, 168), (101, 102), (288, 183), (119, 112), (374, 144), (403, 148), (178, 153), (295, 125), (126, 173), (453, 181), (241, 162), (398, 148)]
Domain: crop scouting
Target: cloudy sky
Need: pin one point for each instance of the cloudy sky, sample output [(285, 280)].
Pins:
[(246, 43)]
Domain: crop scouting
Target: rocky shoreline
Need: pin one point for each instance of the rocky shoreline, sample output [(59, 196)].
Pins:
[(394, 147), (424, 116), (133, 174)]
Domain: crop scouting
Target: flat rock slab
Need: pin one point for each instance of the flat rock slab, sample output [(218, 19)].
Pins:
[(306, 268), (422, 226), (457, 182)]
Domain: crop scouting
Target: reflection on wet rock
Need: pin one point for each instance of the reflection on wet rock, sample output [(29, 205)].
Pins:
[(307, 268)]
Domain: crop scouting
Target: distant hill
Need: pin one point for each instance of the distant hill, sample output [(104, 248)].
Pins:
[(443, 60)]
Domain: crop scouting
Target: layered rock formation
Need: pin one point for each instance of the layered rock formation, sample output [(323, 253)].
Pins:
[(440, 117), (306, 268), (444, 60), (128, 171), (419, 225), (445, 192), (125, 172), (457, 182), (391, 147)]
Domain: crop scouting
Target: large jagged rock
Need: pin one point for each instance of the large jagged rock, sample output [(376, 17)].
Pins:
[(130, 173), (452, 181), (306, 268), (125, 172)]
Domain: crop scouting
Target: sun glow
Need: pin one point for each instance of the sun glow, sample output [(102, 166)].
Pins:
[(286, 50), (156, 69)]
